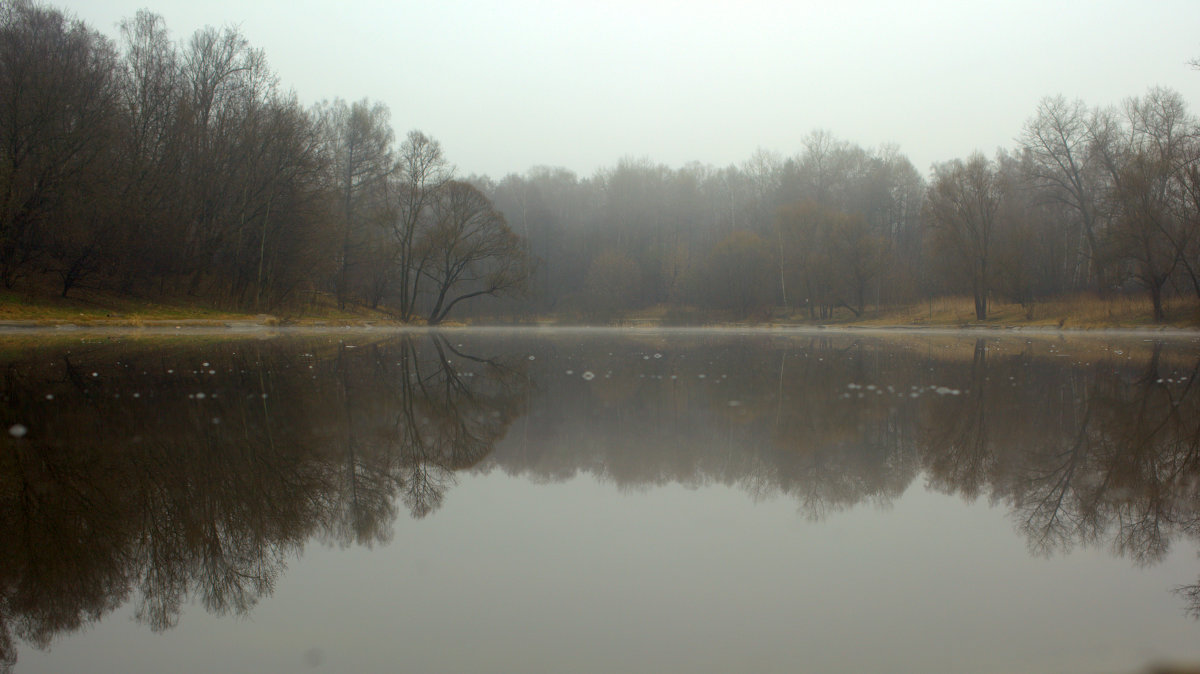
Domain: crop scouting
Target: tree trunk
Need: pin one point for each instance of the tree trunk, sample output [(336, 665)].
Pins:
[(981, 292)]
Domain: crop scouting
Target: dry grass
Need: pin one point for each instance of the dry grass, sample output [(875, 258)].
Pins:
[(1074, 312), (93, 307), (87, 307), (1082, 311)]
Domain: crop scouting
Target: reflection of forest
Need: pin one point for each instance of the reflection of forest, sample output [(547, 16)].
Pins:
[(1084, 442), (171, 472), (179, 472)]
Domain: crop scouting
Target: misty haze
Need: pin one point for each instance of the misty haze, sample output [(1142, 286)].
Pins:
[(599, 337)]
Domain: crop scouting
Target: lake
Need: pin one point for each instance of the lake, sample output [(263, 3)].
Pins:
[(599, 501)]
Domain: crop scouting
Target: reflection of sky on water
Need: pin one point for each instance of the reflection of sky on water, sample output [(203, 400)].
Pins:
[(578, 576)]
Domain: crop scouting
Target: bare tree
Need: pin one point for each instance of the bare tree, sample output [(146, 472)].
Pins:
[(57, 110), (961, 210), (358, 140), (1149, 172), (421, 173), (1066, 167), (472, 251), (151, 93)]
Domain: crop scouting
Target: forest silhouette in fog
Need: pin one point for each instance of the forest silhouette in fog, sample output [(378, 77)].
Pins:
[(156, 168)]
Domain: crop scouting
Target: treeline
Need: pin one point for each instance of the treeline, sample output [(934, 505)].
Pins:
[(148, 167), (809, 232), (164, 170), (1099, 200)]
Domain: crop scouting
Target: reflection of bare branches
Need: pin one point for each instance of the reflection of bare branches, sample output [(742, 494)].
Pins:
[(1142, 475), (446, 422), (1041, 502), (425, 488), (349, 437), (438, 424), (961, 458), (1191, 597), (204, 483), (8, 650)]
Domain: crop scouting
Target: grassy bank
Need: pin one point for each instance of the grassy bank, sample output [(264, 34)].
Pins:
[(1073, 312), (1081, 312), (86, 307)]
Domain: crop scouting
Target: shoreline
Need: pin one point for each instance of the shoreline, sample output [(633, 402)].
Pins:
[(270, 326)]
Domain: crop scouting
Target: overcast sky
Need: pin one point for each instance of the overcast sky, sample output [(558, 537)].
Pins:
[(509, 85)]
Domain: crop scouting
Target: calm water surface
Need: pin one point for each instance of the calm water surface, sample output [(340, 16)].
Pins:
[(598, 502)]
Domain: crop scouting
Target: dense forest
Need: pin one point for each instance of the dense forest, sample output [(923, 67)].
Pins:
[(165, 169)]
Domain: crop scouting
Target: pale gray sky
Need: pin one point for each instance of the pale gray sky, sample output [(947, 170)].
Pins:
[(506, 85)]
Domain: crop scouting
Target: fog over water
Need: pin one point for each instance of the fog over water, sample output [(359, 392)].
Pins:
[(545, 500)]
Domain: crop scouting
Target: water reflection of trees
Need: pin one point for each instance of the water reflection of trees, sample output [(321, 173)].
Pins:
[(1081, 456), (194, 472), (1083, 443)]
